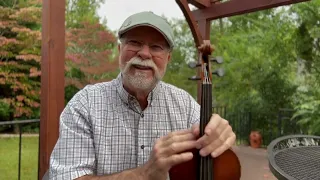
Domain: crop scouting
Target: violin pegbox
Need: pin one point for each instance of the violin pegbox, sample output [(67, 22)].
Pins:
[(220, 71)]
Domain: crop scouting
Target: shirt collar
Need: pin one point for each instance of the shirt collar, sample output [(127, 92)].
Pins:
[(128, 98)]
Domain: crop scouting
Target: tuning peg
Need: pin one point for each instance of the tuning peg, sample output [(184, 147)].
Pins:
[(194, 78), (219, 72), (217, 59), (193, 64)]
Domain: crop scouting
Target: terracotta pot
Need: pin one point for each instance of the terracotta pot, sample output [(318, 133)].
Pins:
[(255, 139)]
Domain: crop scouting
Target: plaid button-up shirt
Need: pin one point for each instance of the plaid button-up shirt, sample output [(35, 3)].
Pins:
[(103, 129)]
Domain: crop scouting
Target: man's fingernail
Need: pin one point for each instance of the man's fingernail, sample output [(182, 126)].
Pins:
[(213, 154)]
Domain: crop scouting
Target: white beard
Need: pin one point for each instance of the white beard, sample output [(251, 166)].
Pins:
[(140, 80)]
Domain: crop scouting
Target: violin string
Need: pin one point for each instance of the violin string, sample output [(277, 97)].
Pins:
[(206, 166), (201, 159), (206, 122), (208, 117), (203, 127), (210, 163)]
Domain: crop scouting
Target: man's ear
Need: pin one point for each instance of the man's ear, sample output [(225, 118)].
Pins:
[(119, 47), (169, 57)]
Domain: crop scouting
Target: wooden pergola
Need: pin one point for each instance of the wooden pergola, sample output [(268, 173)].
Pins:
[(53, 54)]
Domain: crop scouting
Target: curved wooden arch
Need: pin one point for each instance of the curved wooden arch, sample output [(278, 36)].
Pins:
[(53, 54)]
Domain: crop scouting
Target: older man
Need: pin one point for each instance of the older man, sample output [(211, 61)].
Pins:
[(135, 126)]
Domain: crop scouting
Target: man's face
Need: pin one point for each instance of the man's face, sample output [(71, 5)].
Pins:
[(144, 55)]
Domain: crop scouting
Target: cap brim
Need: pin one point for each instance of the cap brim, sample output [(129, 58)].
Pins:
[(148, 25)]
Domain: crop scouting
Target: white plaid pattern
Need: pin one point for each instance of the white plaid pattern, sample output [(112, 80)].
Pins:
[(103, 130)]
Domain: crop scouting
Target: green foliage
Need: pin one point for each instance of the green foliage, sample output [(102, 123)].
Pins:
[(89, 57), (89, 54), (308, 112), (262, 54), (266, 55), (5, 110), (177, 70), (8, 3), (70, 91), (307, 96), (20, 44), (79, 11), (256, 58), (90, 50), (307, 104)]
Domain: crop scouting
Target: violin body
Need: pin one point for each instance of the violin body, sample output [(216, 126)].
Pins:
[(225, 167)]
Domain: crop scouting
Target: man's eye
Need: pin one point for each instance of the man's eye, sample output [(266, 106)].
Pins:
[(135, 43), (156, 47)]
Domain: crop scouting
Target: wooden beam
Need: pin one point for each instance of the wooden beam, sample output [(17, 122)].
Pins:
[(52, 78), (184, 6), (200, 3), (237, 7), (204, 28)]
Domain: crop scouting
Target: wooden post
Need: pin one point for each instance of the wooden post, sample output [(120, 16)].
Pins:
[(52, 78)]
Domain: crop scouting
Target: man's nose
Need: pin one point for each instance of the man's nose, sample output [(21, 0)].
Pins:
[(144, 52)]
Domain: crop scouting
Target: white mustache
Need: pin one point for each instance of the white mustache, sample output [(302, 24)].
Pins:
[(146, 63)]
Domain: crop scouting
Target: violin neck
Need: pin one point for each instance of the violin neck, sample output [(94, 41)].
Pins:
[(206, 96), (205, 164), (206, 106)]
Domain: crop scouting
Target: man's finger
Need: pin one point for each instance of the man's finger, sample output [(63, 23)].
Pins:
[(178, 158), (179, 147), (212, 131), (214, 144), (203, 141), (179, 138), (175, 133), (214, 122), (227, 145), (195, 129), (205, 151)]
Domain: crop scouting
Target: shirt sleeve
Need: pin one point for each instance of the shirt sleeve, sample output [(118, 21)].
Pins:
[(73, 155), (194, 111)]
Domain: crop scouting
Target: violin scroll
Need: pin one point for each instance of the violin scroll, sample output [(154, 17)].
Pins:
[(206, 48)]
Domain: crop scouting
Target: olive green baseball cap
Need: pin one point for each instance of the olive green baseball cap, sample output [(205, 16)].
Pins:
[(148, 18)]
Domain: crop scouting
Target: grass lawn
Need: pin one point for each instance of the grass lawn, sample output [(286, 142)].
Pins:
[(9, 158)]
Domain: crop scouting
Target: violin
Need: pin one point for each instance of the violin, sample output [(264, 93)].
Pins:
[(227, 165)]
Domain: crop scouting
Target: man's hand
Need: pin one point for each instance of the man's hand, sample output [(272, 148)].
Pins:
[(218, 137), (169, 151)]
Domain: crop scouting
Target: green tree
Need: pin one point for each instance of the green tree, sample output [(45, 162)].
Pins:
[(20, 44), (91, 47), (184, 51), (79, 11), (306, 99), (90, 56)]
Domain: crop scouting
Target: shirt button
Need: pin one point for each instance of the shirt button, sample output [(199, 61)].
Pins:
[(142, 146), (142, 115)]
